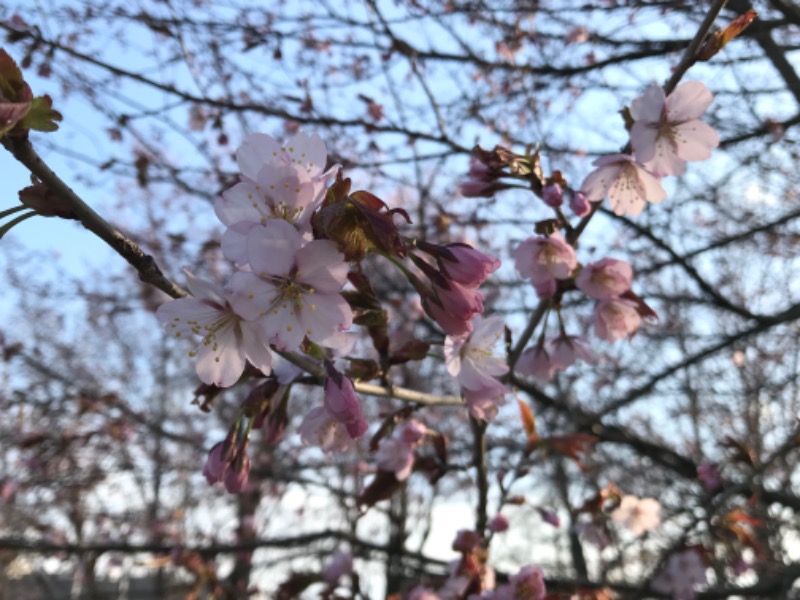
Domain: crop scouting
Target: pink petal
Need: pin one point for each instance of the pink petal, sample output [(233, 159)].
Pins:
[(234, 241), (689, 101), (665, 161), (695, 140), (598, 182), (284, 328), (256, 346), (325, 316), (643, 141), (307, 151), (452, 354), (224, 366), (238, 204), (322, 266), (257, 150), (649, 106), (271, 249), (251, 296), (204, 290)]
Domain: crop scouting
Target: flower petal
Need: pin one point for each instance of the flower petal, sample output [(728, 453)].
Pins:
[(689, 101), (271, 249)]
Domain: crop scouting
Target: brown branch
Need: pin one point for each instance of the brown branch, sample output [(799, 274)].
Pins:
[(144, 264)]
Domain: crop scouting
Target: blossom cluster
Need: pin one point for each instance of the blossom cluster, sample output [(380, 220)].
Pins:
[(665, 134)]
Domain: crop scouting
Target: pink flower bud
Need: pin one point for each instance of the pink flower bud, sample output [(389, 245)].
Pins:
[(579, 204), (553, 195), (469, 266), (342, 403), (219, 457), (239, 472), (396, 456), (451, 325)]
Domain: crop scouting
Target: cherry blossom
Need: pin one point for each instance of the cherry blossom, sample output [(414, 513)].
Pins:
[(396, 456), (228, 340), (544, 259), (615, 319), (466, 265), (626, 183), (278, 192), (483, 402), (396, 453), (607, 278), (320, 428), (294, 288), (342, 403), (472, 361), (451, 324), (305, 153), (536, 362), (667, 131), (637, 514), (564, 350)]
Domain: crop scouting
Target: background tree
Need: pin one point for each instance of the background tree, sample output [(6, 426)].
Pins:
[(401, 92)]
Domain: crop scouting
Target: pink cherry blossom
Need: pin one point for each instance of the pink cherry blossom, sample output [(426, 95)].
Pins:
[(626, 183), (564, 350), (458, 300), (483, 402), (604, 279), (228, 341), (278, 192), (536, 362), (542, 259), (667, 131), (306, 153), (550, 516), (468, 266), (293, 288), (615, 319), (451, 324), (342, 403), (472, 360), (683, 572), (637, 514), (320, 428), (411, 432)]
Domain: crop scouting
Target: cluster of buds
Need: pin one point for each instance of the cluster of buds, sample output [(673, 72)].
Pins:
[(229, 463), (452, 298)]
